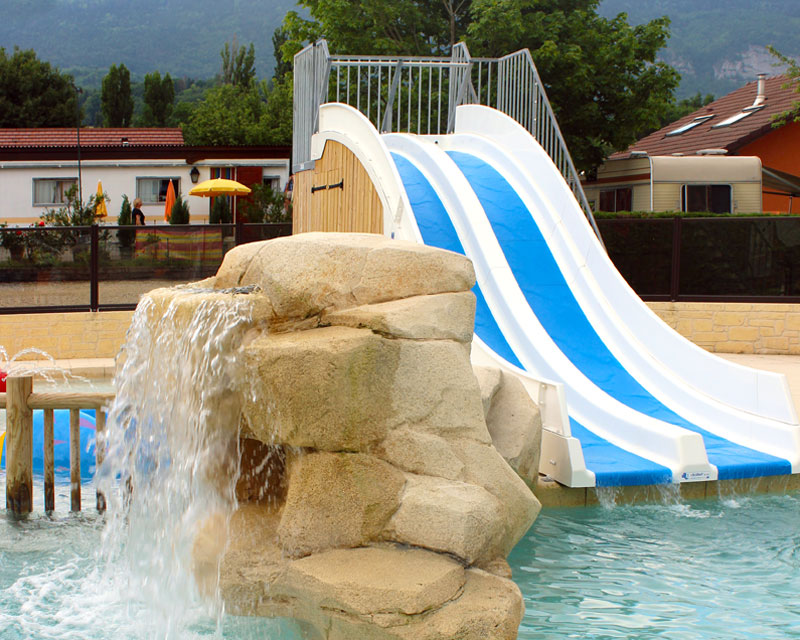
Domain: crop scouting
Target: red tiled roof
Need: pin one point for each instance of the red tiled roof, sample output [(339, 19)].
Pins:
[(90, 137), (731, 137)]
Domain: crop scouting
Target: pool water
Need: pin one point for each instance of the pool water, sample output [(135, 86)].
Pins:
[(727, 568)]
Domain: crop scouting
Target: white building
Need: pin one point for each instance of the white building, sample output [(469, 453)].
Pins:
[(38, 166)]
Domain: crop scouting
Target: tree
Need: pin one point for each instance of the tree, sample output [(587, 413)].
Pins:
[(179, 214), (159, 95), (383, 27), (116, 100), (600, 74), (238, 65), (34, 94), (793, 75), (282, 66), (220, 212), (259, 115)]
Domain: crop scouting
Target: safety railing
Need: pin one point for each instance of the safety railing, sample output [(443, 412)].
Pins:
[(107, 268), (20, 400), (420, 95)]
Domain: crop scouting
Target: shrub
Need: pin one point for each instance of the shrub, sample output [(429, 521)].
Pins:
[(220, 212), (266, 205), (180, 211), (126, 237)]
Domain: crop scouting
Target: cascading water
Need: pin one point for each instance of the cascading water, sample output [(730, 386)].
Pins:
[(171, 438), (171, 462)]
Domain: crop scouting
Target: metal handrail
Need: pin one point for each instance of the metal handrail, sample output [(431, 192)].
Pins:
[(420, 94)]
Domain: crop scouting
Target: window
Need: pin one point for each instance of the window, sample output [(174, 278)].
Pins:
[(739, 116), (273, 182), (715, 198), (154, 190), (52, 191), (616, 199), (690, 125)]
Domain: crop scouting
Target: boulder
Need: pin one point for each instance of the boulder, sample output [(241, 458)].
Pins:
[(304, 274), (513, 420), (445, 316), (420, 453), (458, 518), (337, 500)]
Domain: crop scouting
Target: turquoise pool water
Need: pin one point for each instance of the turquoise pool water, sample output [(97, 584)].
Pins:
[(727, 568)]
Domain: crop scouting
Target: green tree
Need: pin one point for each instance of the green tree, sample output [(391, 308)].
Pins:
[(159, 96), (179, 214), (279, 38), (126, 237), (116, 100), (238, 65), (600, 74), (34, 94), (383, 27), (266, 205), (793, 75), (229, 116), (220, 212)]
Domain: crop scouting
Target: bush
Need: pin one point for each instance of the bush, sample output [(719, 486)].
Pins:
[(126, 237), (265, 205), (220, 212), (180, 211)]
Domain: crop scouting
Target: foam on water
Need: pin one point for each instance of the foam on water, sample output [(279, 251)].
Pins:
[(171, 462)]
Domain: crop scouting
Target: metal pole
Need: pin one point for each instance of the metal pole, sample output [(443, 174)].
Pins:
[(79, 91)]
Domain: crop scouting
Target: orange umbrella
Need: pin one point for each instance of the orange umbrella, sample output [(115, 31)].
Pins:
[(170, 201)]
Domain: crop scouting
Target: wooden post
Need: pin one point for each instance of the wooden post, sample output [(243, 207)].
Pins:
[(75, 459), (19, 445), (100, 451), (49, 467)]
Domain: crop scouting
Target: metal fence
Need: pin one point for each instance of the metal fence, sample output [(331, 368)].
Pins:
[(420, 95), (753, 259), (48, 269)]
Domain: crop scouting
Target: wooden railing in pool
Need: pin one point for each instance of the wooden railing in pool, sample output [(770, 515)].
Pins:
[(20, 400)]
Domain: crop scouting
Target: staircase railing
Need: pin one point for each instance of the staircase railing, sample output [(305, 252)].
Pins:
[(420, 95)]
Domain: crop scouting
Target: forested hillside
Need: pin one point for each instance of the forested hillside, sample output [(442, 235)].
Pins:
[(718, 45), (182, 37)]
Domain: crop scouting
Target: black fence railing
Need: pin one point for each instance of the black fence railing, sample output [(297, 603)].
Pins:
[(50, 269), (748, 259)]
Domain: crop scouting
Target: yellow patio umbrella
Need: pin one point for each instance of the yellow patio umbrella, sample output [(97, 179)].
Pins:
[(100, 210), (169, 202), (219, 187)]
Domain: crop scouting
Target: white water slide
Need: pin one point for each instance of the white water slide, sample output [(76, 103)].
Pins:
[(626, 400)]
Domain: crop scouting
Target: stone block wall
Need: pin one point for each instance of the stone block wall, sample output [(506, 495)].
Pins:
[(740, 327), (65, 335)]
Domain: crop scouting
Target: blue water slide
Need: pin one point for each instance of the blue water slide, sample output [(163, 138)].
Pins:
[(61, 432), (551, 299)]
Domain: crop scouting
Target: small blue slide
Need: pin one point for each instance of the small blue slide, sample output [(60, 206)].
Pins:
[(60, 443)]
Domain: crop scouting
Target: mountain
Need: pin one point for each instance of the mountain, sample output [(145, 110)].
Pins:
[(184, 38), (719, 45)]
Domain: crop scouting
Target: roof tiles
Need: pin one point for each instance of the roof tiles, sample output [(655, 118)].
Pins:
[(704, 136), (90, 137)]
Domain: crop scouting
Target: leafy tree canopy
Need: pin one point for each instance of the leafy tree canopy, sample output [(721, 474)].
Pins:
[(600, 74), (34, 94), (238, 65), (159, 95), (116, 99), (378, 27), (793, 73)]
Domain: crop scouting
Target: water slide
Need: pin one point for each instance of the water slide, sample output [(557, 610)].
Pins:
[(626, 400)]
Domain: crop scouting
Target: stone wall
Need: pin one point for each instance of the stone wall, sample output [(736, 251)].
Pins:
[(735, 327), (65, 335)]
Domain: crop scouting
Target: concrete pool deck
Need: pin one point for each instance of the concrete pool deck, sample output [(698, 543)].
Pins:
[(551, 493)]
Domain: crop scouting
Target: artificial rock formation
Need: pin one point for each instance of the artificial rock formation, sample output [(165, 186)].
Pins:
[(388, 512)]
